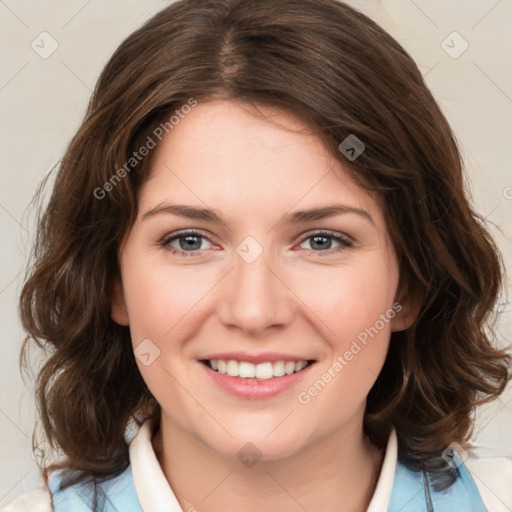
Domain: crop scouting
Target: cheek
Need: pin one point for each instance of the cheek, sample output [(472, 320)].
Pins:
[(160, 298), (348, 299), (354, 306)]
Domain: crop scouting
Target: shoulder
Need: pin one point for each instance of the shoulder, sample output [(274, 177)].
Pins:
[(113, 493), (117, 493), (482, 483), (39, 500), (493, 478)]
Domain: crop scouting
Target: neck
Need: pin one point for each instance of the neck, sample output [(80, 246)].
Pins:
[(340, 469)]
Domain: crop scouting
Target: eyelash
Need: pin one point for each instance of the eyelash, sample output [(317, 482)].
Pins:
[(345, 242)]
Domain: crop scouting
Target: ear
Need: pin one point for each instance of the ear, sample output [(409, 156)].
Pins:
[(119, 312), (407, 307)]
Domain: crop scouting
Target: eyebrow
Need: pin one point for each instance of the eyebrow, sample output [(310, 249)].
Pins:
[(297, 217)]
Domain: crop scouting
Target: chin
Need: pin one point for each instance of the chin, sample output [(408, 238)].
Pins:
[(258, 444)]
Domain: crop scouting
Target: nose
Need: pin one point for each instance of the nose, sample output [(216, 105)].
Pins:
[(255, 297)]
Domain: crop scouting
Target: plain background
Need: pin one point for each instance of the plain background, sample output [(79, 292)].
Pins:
[(42, 101)]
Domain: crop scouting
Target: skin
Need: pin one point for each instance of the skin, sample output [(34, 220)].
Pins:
[(295, 298)]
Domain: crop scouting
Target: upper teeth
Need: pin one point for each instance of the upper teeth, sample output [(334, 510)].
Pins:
[(262, 371)]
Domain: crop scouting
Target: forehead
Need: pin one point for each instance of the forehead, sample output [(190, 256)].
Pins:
[(224, 155)]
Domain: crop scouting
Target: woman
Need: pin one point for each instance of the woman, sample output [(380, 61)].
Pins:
[(259, 248)]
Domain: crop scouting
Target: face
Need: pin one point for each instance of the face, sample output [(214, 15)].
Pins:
[(254, 255)]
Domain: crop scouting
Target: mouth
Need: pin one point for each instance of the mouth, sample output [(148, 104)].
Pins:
[(266, 370)]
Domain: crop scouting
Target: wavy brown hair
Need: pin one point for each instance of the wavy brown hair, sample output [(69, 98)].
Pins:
[(340, 73)]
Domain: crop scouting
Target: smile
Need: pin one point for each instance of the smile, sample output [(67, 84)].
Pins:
[(261, 371)]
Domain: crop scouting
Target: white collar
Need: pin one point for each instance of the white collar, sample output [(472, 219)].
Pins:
[(382, 494), (156, 495)]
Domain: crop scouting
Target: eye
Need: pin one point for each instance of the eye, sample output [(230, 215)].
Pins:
[(321, 243), (189, 242)]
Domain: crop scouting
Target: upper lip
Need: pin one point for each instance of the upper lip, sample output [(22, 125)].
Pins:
[(255, 358)]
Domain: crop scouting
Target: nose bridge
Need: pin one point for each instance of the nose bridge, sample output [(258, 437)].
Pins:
[(255, 297)]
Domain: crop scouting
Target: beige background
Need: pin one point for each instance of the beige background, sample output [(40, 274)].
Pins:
[(42, 101)]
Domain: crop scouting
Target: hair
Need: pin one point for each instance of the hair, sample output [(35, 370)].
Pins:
[(341, 74)]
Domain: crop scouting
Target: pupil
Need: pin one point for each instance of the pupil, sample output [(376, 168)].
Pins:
[(191, 242), (321, 245)]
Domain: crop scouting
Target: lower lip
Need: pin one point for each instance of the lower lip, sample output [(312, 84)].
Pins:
[(255, 389)]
